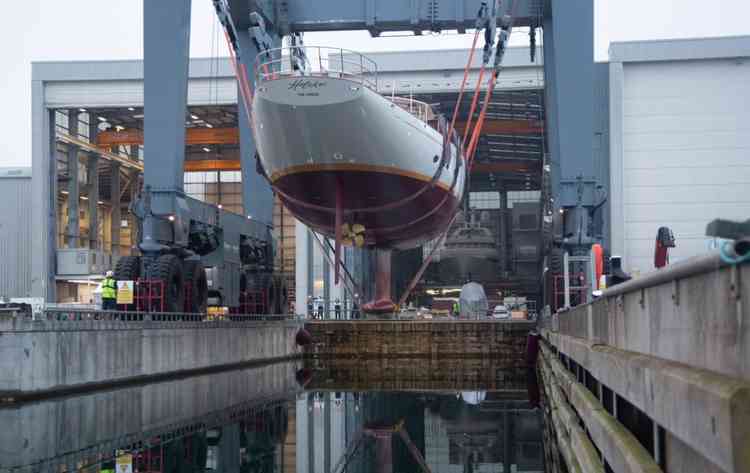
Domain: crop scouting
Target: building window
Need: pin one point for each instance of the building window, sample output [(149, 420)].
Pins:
[(216, 187), (484, 200), (523, 196)]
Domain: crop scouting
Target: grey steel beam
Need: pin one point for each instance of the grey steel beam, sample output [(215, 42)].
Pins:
[(166, 39), (569, 69), (115, 201), (326, 285), (311, 431), (616, 159), (550, 107), (73, 229), (385, 15), (229, 447), (507, 441), (44, 195), (257, 196), (133, 189), (92, 177), (327, 432), (503, 232)]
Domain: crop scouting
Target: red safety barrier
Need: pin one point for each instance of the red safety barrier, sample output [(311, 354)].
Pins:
[(149, 295)]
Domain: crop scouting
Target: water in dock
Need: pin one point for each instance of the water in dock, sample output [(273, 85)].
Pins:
[(308, 417)]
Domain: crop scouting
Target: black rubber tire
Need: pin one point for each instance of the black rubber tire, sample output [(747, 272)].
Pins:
[(243, 282), (556, 261), (128, 268), (272, 296), (168, 268), (195, 279), (282, 298)]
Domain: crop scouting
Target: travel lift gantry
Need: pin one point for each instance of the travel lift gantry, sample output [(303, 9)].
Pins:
[(169, 218), (193, 253)]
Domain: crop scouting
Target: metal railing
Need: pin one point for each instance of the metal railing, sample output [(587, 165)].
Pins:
[(332, 313), (62, 314), (419, 109), (315, 61)]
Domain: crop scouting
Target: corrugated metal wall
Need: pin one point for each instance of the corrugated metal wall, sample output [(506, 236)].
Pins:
[(15, 236), (685, 152)]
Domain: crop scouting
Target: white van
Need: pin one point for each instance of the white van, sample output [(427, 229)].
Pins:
[(500, 312)]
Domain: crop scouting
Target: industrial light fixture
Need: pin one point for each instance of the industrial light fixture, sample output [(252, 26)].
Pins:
[(100, 202), (206, 149), (64, 192), (101, 118), (220, 206), (131, 109), (83, 197), (171, 218), (138, 115), (562, 211), (119, 127), (208, 125), (194, 116), (249, 217), (81, 109)]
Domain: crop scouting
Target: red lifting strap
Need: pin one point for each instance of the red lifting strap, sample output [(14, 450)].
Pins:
[(480, 120), (463, 85), (473, 105), (241, 72)]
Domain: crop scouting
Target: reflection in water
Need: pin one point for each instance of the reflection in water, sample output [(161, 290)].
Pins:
[(437, 428), (497, 434)]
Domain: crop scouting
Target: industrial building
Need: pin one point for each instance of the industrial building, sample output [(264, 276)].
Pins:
[(650, 99), (263, 225)]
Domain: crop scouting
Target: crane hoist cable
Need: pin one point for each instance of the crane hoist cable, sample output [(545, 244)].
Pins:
[(504, 37)]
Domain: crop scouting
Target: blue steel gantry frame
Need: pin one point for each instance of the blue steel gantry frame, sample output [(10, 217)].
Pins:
[(170, 219), (569, 75)]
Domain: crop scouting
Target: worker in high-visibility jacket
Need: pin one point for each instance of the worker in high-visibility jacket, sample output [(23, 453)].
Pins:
[(109, 292)]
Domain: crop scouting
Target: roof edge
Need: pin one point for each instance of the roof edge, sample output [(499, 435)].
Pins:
[(680, 49)]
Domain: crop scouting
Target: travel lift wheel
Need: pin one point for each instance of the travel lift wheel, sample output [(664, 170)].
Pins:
[(196, 287), (272, 296), (128, 268), (168, 269), (282, 298)]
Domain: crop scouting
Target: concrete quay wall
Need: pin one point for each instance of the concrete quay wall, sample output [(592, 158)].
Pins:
[(667, 357), (42, 357), (504, 340)]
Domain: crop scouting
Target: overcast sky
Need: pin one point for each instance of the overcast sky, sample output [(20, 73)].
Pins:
[(36, 30)]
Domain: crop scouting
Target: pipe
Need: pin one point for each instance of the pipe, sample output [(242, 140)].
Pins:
[(690, 267), (742, 247)]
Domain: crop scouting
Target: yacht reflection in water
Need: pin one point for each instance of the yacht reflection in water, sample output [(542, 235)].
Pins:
[(262, 420)]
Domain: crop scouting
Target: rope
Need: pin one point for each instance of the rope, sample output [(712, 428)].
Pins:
[(463, 84)]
